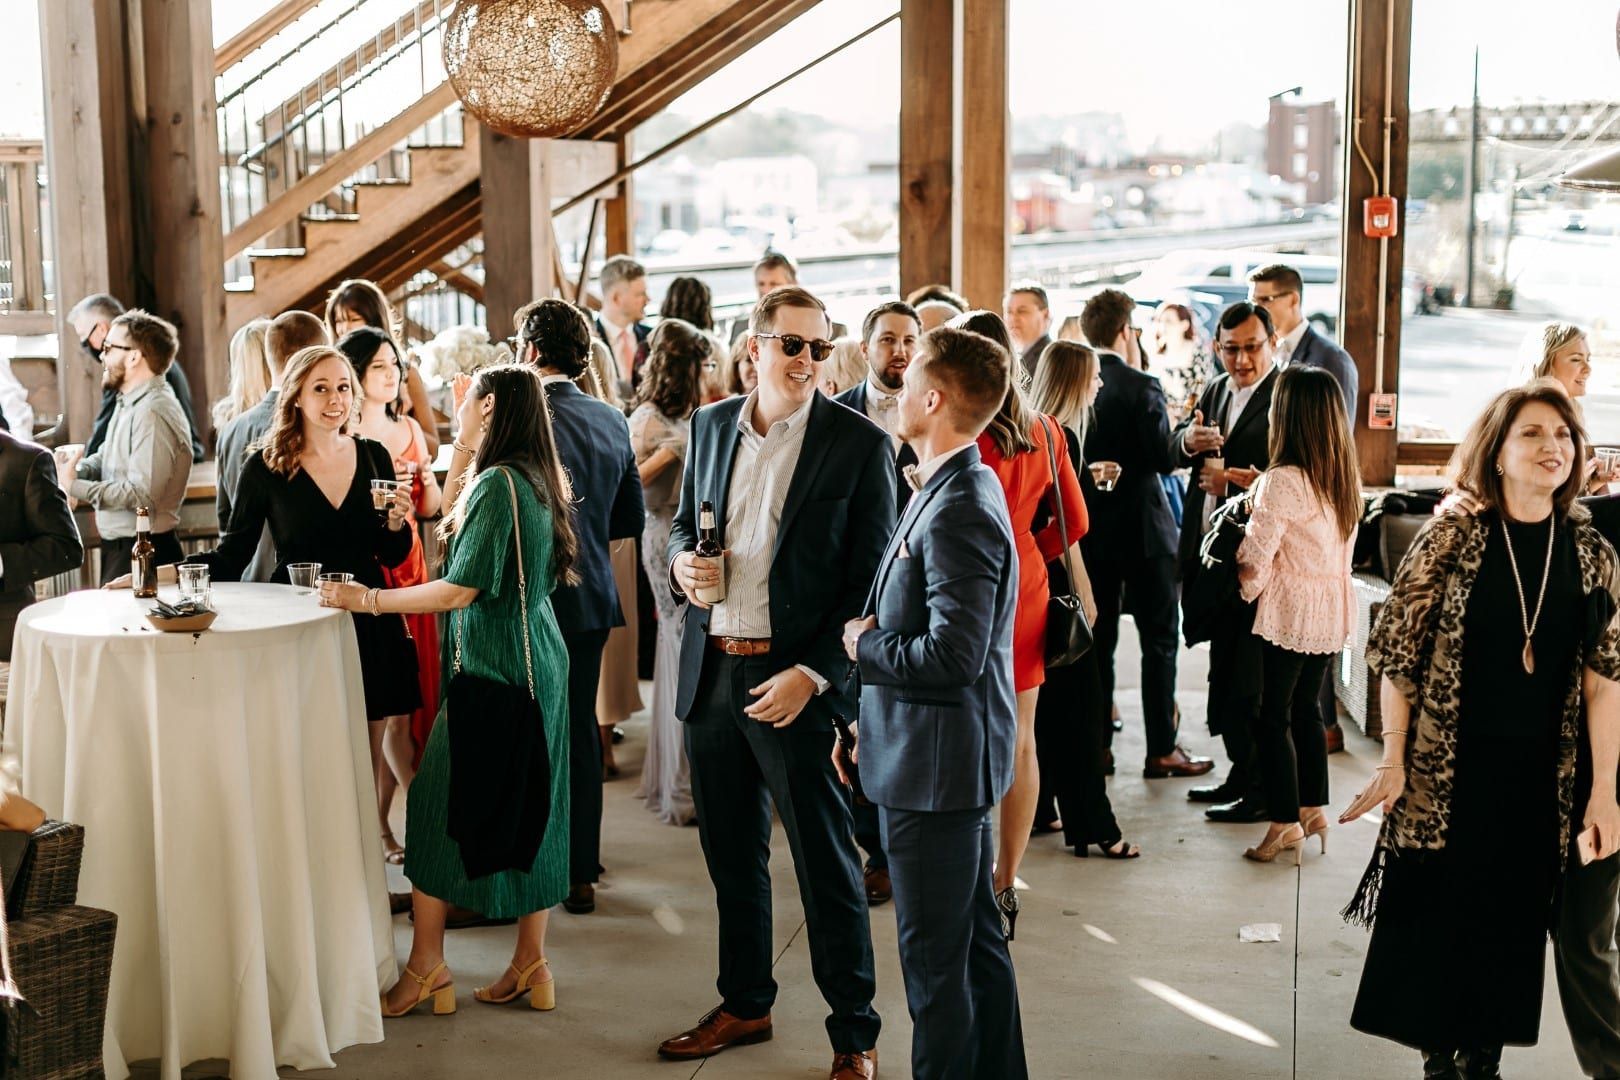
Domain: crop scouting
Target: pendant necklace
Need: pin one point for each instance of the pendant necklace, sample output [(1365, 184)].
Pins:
[(1529, 621)]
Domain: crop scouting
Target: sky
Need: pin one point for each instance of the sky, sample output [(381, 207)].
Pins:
[(1175, 70)]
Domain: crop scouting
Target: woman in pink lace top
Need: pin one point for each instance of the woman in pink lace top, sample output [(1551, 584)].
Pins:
[(1294, 564)]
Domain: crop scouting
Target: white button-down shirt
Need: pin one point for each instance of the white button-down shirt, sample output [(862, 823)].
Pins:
[(1289, 342), (1234, 411), (883, 409)]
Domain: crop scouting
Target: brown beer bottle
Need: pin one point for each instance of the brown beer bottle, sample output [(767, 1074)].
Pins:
[(708, 547), (143, 557)]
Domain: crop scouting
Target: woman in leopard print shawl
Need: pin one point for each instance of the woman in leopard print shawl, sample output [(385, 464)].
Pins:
[(1478, 915)]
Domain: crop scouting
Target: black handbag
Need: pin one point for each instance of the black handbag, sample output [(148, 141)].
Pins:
[(1211, 596), (1068, 635), (500, 771)]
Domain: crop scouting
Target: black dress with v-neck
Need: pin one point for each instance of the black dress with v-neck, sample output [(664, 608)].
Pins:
[(350, 537)]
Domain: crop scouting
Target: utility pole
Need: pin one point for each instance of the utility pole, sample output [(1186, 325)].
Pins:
[(1470, 188)]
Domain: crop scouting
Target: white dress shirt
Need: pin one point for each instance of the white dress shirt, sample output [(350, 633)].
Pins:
[(1235, 405), (918, 475), (1290, 342), (622, 341), (760, 475)]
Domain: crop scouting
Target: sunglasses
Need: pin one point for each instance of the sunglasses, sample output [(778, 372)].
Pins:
[(793, 345)]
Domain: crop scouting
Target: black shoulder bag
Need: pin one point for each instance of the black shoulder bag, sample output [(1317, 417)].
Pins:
[(500, 771), (1068, 635)]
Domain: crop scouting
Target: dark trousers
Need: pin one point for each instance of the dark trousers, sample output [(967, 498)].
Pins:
[(1234, 704), (1152, 584), (584, 756), (736, 763), (115, 561), (1289, 740), (1071, 732), (868, 833), (960, 986), (1588, 965)]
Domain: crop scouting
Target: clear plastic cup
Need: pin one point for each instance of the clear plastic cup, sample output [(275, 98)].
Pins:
[(336, 579), (303, 575), (194, 584)]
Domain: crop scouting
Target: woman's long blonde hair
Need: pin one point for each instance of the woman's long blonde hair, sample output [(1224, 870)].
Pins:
[(1064, 376), (250, 372), (1554, 336), (283, 445)]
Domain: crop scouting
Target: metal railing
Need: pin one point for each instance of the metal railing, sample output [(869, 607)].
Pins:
[(341, 80), (26, 291)]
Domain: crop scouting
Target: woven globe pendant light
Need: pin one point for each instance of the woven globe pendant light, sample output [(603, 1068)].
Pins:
[(536, 69)]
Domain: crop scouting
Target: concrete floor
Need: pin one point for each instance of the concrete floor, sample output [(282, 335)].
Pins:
[(1126, 970)]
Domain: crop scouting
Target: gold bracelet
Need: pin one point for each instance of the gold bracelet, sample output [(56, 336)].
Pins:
[(1387, 731), (1380, 768), (372, 598), (460, 449)]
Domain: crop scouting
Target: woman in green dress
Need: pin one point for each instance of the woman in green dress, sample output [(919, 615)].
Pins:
[(505, 435)]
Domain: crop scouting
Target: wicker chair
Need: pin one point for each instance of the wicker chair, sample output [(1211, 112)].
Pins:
[(61, 958)]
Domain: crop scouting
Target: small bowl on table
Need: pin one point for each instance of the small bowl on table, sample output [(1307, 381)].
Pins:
[(187, 618)]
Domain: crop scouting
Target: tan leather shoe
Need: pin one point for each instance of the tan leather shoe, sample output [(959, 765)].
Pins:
[(862, 1066), (717, 1030)]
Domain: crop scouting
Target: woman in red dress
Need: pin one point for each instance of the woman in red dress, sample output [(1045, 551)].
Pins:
[(1015, 447)]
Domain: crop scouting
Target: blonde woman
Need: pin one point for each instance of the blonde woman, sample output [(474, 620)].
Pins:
[(844, 368), (250, 373), (1071, 715)]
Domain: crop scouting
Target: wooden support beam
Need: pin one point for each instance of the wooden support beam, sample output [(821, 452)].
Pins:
[(86, 69), (519, 254), (181, 171), (983, 204), (1371, 33), (929, 50), (621, 209)]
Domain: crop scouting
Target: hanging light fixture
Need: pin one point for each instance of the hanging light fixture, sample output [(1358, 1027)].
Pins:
[(1601, 171), (532, 68)]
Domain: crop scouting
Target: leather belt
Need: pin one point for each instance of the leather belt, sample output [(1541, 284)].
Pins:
[(740, 646)]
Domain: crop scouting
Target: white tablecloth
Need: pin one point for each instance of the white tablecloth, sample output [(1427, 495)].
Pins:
[(224, 784)]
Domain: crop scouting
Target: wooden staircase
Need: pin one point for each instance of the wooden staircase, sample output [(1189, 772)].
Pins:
[(399, 229)]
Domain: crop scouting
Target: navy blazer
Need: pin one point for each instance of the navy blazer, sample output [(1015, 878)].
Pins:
[(838, 515), (593, 441), (1317, 351), (855, 398), (38, 537), (1130, 425), (939, 714)]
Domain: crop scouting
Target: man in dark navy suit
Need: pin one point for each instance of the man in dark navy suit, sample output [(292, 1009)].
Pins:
[(888, 340), (593, 442), (939, 715), (803, 490), (1132, 530)]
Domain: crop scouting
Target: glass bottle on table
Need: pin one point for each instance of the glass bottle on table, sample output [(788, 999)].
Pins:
[(143, 557)]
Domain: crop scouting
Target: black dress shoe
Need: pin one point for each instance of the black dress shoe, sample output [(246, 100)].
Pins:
[(1214, 793), (1242, 812), (581, 899)]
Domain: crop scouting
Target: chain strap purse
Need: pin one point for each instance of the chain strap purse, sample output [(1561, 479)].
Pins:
[(1068, 634)]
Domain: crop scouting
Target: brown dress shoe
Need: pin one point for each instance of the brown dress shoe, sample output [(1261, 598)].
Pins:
[(862, 1066), (717, 1030), (581, 899), (1335, 738), (1176, 763), (879, 890)]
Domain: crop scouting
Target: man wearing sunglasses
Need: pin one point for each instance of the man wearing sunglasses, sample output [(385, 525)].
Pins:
[(90, 319), (803, 491), (146, 459)]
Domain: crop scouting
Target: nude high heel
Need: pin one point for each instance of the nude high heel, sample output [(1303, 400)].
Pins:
[(1292, 837), (443, 997), (542, 995), (1316, 826)]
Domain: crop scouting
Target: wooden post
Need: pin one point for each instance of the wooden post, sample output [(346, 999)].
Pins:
[(621, 209), (930, 45), (181, 171), (83, 46), (1359, 273), (983, 218), (515, 191)]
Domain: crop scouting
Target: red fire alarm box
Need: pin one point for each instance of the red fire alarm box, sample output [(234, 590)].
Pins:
[(1381, 411), (1378, 216)]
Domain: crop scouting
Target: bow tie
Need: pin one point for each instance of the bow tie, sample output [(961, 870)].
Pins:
[(913, 477), (884, 403)]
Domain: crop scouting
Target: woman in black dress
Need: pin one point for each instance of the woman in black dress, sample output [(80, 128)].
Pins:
[(1071, 717), (310, 482), (1499, 628)]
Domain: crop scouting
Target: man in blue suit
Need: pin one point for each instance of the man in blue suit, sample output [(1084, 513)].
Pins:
[(1279, 289), (803, 491), (593, 442), (939, 715)]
